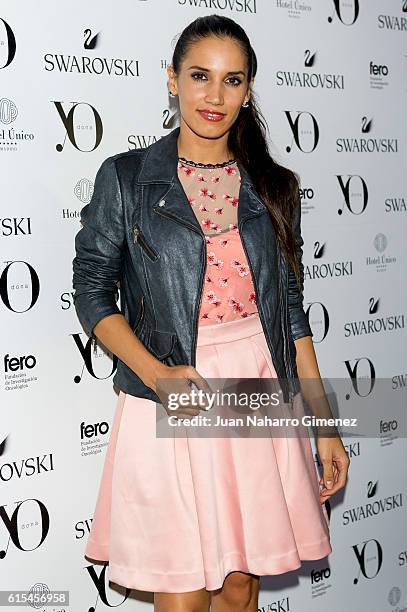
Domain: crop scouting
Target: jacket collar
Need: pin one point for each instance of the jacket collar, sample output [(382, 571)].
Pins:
[(161, 162), (160, 166)]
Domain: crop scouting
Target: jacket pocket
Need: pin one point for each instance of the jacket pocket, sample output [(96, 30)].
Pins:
[(139, 238), (159, 343)]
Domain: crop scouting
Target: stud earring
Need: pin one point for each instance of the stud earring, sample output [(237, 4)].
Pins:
[(245, 104), (172, 95)]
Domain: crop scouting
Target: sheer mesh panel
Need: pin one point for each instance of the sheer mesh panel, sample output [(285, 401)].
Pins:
[(213, 194)]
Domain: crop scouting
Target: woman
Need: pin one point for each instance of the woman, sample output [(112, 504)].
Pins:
[(202, 230)]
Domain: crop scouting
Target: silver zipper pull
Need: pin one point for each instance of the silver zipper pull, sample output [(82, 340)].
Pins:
[(136, 233)]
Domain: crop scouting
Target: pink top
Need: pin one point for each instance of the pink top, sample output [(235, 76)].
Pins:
[(213, 194)]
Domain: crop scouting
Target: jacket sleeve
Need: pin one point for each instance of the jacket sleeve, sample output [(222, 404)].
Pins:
[(99, 246), (299, 322)]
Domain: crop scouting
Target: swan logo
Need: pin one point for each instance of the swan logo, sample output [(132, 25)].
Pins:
[(305, 131), (330, 269), (94, 65), (309, 79), (19, 286), (8, 41), (374, 325), (355, 194), (347, 12), (81, 120), (366, 145), (168, 122), (372, 508), (394, 22), (381, 261)]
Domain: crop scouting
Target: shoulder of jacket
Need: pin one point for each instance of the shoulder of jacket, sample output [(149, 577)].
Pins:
[(129, 165), (127, 161)]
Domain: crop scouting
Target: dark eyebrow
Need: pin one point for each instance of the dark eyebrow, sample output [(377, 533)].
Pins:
[(207, 70)]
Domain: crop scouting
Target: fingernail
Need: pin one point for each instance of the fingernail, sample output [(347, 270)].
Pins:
[(329, 484)]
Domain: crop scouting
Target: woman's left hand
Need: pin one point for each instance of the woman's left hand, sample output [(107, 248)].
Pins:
[(335, 463)]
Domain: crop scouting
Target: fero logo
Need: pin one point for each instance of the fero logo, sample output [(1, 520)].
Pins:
[(13, 364), (91, 430)]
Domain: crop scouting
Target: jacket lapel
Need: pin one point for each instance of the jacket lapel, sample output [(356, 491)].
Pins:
[(161, 166)]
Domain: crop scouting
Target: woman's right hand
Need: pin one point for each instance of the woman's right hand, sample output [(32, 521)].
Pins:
[(171, 381)]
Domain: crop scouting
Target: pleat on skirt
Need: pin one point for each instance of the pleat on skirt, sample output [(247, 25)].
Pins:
[(177, 514)]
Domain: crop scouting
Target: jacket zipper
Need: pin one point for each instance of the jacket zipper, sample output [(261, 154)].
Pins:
[(140, 317), (201, 279), (290, 393), (284, 322), (93, 338), (259, 307), (138, 237)]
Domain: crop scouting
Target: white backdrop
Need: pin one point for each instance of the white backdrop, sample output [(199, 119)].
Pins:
[(83, 81)]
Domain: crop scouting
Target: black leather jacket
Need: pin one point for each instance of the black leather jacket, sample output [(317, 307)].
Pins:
[(140, 234)]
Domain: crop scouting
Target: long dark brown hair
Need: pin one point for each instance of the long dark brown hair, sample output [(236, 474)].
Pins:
[(276, 185)]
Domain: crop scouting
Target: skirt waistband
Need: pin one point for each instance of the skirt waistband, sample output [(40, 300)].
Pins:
[(218, 333)]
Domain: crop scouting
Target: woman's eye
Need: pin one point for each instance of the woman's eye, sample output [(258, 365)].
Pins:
[(197, 77), (236, 81), (197, 74)]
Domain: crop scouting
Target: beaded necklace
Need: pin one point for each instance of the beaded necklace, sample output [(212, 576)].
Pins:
[(201, 165)]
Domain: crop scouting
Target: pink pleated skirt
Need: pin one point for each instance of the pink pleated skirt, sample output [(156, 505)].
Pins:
[(177, 514)]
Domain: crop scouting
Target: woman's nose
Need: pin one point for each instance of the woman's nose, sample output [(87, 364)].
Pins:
[(214, 94)]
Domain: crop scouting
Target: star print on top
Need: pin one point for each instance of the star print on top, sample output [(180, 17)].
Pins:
[(213, 194)]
